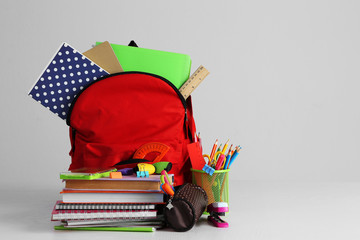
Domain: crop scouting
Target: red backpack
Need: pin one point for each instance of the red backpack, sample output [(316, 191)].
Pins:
[(115, 115)]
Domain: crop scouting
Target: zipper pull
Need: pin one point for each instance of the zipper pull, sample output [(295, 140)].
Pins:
[(169, 205), (186, 125)]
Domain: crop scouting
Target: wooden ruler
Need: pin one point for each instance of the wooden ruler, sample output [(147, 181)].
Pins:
[(195, 79)]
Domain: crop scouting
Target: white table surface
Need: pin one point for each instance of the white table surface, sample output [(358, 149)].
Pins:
[(259, 210)]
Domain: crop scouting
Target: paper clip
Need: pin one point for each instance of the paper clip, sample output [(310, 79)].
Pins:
[(142, 172)]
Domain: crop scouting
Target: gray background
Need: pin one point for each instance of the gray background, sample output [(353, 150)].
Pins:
[(283, 84)]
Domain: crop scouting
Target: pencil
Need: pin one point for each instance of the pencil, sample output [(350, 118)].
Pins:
[(230, 149), (225, 146), (233, 157), (213, 151), (228, 156), (218, 150)]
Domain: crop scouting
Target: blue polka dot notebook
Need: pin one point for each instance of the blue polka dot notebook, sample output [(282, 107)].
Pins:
[(66, 75)]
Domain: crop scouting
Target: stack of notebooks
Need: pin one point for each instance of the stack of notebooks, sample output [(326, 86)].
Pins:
[(128, 202)]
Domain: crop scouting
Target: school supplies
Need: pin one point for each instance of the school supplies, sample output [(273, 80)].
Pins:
[(146, 167), (226, 166), (125, 183), (213, 152), (64, 215), (102, 196), (147, 148), (175, 67), (185, 208), (126, 171), (166, 184), (209, 170), (159, 166), (194, 81), (216, 210), (218, 159), (234, 156), (157, 223), (113, 120), (216, 186), (196, 158), (116, 175), (104, 56), (225, 147), (106, 206), (63, 78), (87, 173), (141, 171), (116, 115)]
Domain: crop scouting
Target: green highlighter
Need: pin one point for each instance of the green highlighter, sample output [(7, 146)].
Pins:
[(87, 174), (175, 67)]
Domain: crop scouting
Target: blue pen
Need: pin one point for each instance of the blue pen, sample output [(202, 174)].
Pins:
[(233, 157)]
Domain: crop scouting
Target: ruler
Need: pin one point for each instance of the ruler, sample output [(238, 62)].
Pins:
[(195, 79)]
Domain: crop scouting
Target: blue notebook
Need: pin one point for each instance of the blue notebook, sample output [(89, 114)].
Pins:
[(67, 74)]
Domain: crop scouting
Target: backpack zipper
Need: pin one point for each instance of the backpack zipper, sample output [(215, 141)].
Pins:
[(182, 99)]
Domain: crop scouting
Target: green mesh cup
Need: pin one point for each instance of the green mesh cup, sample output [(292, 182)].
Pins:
[(215, 186)]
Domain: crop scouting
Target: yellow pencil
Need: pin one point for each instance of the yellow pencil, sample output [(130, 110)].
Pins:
[(225, 146)]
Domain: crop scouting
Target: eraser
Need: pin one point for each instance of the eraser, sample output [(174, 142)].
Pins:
[(117, 175)]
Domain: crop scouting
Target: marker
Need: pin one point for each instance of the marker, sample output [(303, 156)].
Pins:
[(220, 161)]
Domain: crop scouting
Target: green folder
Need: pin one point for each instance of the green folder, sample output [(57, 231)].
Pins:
[(175, 67), (87, 175)]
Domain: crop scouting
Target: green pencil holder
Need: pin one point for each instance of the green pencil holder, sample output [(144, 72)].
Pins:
[(216, 186)]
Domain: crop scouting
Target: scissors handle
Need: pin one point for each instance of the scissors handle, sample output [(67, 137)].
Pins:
[(208, 157), (166, 177)]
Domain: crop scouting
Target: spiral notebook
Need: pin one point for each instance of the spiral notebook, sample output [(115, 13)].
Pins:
[(105, 206), (102, 214)]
